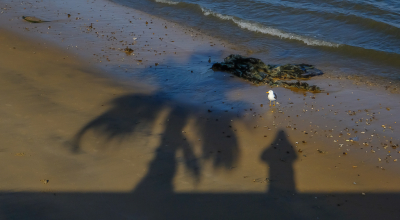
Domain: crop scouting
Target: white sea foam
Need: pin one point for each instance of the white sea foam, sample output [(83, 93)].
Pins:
[(167, 2), (252, 26)]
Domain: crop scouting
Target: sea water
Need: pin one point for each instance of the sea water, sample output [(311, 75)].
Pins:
[(341, 37)]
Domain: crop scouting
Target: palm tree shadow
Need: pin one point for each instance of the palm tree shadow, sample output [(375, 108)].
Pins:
[(131, 111), (154, 196), (156, 191)]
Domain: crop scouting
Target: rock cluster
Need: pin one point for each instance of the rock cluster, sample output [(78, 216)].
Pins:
[(256, 71)]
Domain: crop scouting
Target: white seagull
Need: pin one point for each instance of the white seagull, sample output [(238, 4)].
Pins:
[(272, 97)]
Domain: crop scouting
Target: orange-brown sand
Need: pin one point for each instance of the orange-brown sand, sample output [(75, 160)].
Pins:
[(79, 142)]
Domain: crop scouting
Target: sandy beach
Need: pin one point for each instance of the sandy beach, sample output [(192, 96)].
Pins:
[(90, 131)]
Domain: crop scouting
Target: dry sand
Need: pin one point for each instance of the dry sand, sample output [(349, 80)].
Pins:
[(89, 132)]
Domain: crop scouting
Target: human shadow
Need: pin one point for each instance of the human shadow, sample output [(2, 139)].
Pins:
[(280, 157)]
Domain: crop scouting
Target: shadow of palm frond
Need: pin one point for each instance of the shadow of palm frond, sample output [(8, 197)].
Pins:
[(122, 119)]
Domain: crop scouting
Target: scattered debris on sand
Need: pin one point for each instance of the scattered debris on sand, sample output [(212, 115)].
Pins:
[(44, 181), (128, 50)]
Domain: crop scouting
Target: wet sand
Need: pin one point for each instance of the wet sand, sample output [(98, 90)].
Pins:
[(89, 128)]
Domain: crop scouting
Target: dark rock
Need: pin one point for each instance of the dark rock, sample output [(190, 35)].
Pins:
[(256, 71)]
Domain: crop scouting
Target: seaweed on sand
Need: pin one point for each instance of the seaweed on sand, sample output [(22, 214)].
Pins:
[(256, 71)]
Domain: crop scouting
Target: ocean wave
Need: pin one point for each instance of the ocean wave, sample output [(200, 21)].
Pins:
[(255, 27), (167, 2)]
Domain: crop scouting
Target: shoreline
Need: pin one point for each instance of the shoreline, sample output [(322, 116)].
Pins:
[(345, 59), (90, 128)]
